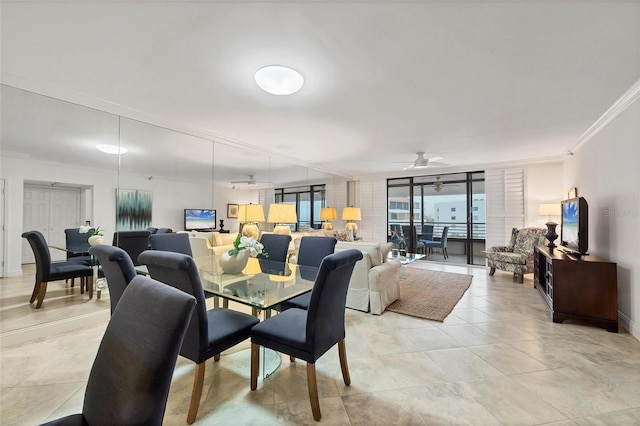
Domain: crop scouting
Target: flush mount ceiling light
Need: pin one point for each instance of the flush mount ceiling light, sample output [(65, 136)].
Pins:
[(112, 149), (279, 80)]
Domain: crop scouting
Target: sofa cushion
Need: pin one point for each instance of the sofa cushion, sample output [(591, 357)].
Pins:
[(372, 249)]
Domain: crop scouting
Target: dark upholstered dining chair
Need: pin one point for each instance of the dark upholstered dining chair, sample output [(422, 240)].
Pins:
[(47, 271), (310, 254), (118, 269), (133, 242), (308, 334), (131, 375), (177, 243), (164, 231), (210, 332), (277, 248), (441, 243)]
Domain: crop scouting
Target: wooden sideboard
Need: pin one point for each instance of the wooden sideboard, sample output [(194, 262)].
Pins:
[(578, 287)]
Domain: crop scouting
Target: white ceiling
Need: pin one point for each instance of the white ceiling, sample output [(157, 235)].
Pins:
[(474, 82)]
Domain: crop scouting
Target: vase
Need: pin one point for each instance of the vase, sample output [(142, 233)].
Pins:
[(234, 264), (94, 240)]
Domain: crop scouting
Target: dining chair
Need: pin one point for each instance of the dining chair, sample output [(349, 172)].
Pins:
[(164, 231), (310, 255), (411, 237), (277, 248), (426, 233), (210, 332), (47, 271), (177, 243), (441, 243), (133, 242), (77, 245), (308, 334), (130, 378), (152, 230), (118, 269)]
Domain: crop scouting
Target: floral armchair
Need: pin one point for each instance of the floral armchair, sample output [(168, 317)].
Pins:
[(517, 257)]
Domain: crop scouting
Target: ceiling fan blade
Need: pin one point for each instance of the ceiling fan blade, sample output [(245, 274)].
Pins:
[(411, 166), (438, 164)]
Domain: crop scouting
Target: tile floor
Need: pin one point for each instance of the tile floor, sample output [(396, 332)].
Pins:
[(497, 359)]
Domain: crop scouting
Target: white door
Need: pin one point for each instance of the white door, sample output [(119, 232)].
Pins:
[(50, 211)]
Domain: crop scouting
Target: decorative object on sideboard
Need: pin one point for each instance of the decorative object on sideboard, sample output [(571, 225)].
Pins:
[(572, 192), (249, 215), (351, 215), (282, 215), (550, 209), (327, 214)]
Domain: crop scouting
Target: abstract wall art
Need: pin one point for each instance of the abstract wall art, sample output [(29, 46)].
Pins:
[(133, 209)]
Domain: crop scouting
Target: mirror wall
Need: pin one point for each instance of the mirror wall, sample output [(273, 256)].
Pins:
[(49, 163)]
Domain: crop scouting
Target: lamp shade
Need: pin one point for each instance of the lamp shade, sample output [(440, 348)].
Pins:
[(549, 209), (351, 213), (282, 213), (250, 213), (328, 213)]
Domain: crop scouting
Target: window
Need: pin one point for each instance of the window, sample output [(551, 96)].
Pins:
[(453, 209), (453, 218), (475, 208), (308, 200)]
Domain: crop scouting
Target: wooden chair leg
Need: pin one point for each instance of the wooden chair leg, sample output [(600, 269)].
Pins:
[(444, 252), (519, 278), (216, 357), (73, 281), (312, 384), (82, 284), (196, 393), (292, 358), (41, 294), (225, 303), (492, 271), (342, 351), (36, 291), (255, 365)]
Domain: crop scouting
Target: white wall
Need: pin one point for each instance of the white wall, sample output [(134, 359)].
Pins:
[(605, 171), (543, 184)]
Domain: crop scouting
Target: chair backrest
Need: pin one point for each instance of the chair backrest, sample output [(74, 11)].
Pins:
[(118, 270), (152, 230), (527, 238), (445, 235), (276, 246), (40, 253), (131, 375), (177, 243), (326, 312), (427, 232), (313, 249), (133, 242), (75, 239), (164, 231), (180, 271)]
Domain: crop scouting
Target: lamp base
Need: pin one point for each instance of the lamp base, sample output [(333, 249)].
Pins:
[(327, 225), (551, 234), (282, 229), (353, 227), (251, 230)]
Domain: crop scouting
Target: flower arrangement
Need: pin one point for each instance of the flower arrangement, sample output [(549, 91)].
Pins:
[(247, 243), (90, 230)]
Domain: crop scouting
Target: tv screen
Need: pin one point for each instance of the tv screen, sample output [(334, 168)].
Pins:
[(199, 219), (574, 226)]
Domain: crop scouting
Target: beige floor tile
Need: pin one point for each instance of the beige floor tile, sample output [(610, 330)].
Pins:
[(462, 364), (506, 359)]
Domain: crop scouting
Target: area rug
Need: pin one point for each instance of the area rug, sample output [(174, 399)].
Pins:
[(429, 294)]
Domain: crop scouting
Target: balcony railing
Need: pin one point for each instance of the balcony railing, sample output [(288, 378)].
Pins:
[(457, 230)]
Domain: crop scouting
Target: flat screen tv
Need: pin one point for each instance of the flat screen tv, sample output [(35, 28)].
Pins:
[(575, 225), (199, 220)]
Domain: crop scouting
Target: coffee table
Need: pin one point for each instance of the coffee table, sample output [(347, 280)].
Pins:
[(407, 258)]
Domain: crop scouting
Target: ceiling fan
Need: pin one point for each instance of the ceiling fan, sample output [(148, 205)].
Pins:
[(422, 162), (438, 184), (251, 181)]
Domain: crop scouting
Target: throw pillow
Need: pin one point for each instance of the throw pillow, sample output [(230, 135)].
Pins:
[(343, 235)]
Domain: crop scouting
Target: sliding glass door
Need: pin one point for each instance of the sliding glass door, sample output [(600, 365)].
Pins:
[(455, 201)]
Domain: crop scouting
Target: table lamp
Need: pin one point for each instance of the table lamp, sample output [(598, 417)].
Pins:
[(281, 215), (327, 214), (249, 215), (550, 209), (351, 214)]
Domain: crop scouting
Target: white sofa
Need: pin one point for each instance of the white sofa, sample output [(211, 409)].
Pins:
[(374, 282)]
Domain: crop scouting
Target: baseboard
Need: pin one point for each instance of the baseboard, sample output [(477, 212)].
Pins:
[(629, 325), (16, 337)]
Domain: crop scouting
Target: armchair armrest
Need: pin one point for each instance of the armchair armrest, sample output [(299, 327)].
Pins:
[(384, 287), (498, 249)]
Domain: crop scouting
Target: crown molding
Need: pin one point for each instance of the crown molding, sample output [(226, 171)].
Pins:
[(618, 107)]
